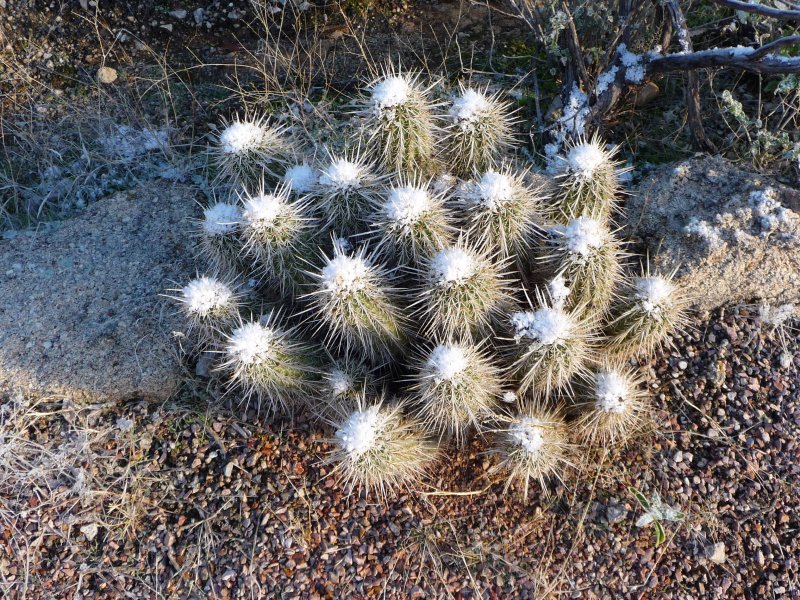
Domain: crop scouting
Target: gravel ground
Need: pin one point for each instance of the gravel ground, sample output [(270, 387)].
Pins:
[(219, 507)]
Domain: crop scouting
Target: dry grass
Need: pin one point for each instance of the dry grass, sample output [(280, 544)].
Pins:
[(59, 151), (69, 474)]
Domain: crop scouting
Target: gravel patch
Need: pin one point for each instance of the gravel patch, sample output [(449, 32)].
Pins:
[(232, 508)]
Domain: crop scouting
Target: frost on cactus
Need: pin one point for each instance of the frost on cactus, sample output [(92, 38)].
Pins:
[(588, 256), (343, 384), (455, 386), (550, 346), (534, 446), (209, 305), (353, 303), (410, 222), (270, 364), (558, 291), (274, 230), (248, 148), (399, 122), (500, 210), (301, 179), (649, 310), (344, 193), (463, 291), (378, 449), (589, 183), (480, 128), (218, 233), (612, 406)]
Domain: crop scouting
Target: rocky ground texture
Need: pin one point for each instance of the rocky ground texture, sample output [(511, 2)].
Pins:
[(82, 313), (184, 501), (732, 235)]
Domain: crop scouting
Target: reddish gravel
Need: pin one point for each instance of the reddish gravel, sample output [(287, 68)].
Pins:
[(232, 509)]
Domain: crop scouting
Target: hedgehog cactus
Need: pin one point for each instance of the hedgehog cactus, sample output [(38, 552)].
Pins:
[(588, 256), (354, 303), (274, 230), (247, 149), (270, 364), (480, 128), (379, 449), (343, 384), (501, 211), (344, 193), (210, 307), (454, 228), (301, 178), (590, 183), (649, 310), (456, 386), (550, 347), (400, 123), (410, 222), (463, 291), (534, 446), (612, 406), (218, 234)]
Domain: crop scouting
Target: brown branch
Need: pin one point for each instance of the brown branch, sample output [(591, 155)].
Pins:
[(692, 81), (766, 11), (627, 15), (606, 101), (762, 51), (574, 46), (724, 57), (666, 29)]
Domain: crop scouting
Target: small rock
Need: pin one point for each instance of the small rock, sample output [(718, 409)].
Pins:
[(682, 365), (106, 75), (732, 234), (179, 13), (678, 457), (203, 366), (199, 15), (167, 26), (646, 94), (615, 513), (786, 360), (715, 553), (89, 531)]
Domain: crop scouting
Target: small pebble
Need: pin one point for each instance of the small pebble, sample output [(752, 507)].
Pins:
[(107, 75)]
